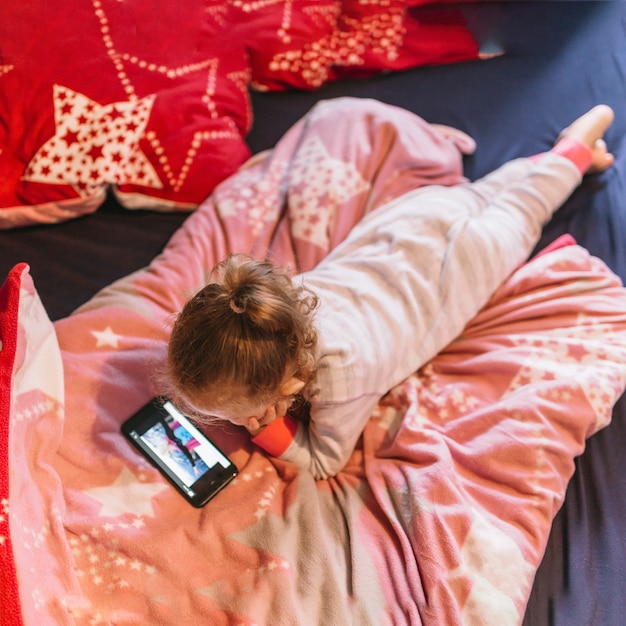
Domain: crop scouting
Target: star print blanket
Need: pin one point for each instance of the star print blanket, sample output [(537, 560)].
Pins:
[(443, 512)]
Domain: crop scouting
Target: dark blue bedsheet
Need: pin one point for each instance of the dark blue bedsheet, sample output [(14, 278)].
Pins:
[(560, 59)]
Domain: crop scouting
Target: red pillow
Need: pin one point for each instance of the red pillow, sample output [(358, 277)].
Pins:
[(289, 43), (399, 34), (145, 96), (149, 98), (304, 44)]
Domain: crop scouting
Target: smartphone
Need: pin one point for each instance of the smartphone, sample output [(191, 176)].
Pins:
[(188, 459)]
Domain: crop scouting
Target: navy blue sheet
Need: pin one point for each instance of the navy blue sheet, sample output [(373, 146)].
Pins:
[(560, 59)]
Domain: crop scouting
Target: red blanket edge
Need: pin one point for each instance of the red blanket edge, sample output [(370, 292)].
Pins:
[(10, 608)]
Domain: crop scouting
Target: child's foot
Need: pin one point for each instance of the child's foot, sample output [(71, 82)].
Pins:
[(589, 129)]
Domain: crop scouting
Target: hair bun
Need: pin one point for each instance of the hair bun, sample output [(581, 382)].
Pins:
[(238, 305)]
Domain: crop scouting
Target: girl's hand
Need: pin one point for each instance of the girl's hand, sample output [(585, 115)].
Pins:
[(256, 425)]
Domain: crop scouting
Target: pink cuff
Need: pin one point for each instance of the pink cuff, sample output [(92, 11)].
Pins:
[(560, 242), (276, 437), (578, 153)]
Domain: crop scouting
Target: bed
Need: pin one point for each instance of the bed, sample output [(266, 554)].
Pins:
[(488, 488)]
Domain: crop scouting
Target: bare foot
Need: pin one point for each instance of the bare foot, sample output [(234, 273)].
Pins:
[(589, 129)]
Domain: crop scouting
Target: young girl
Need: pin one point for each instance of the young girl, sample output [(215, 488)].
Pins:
[(395, 292)]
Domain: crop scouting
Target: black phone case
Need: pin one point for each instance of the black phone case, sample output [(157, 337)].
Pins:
[(207, 487)]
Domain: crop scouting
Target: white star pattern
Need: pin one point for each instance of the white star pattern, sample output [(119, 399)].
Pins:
[(107, 569), (266, 500), (34, 405), (94, 144), (106, 337), (126, 496), (348, 44), (603, 391), (319, 183), (285, 23), (569, 355), (495, 582), (256, 194), (121, 59)]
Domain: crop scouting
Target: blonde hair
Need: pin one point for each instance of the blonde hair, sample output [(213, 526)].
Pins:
[(244, 330)]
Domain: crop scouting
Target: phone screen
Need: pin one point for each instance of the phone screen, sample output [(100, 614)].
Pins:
[(185, 456)]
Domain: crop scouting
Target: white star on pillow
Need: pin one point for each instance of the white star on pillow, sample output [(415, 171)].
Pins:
[(94, 144)]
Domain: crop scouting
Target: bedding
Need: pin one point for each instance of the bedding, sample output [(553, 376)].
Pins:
[(561, 58), (150, 98), (442, 513)]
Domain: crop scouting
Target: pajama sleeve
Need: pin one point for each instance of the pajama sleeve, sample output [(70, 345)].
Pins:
[(403, 285)]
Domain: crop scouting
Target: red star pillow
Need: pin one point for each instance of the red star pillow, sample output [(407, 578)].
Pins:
[(149, 98), (307, 43), (143, 96), (399, 34)]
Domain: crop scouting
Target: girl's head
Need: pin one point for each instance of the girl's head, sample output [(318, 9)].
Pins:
[(243, 342)]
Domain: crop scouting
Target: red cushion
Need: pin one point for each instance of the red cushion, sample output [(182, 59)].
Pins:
[(149, 98), (307, 43), (145, 95)]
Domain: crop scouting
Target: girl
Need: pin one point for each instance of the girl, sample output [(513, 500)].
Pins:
[(395, 292)]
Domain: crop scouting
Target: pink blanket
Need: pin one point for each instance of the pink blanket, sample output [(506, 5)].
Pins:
[(443, 512)]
